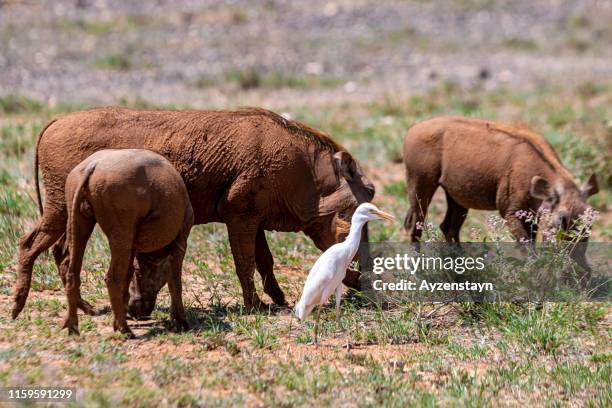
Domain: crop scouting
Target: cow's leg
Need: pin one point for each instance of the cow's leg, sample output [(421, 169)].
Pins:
[(453, 220), (516, 225), (578, 254), (242, 234), (72, 278), (238, 210), (420, 192), (265, 266), (532, 228), (61, 257), (177, 254), (130, 275), (117, 279), (48, 229), (508, 207)]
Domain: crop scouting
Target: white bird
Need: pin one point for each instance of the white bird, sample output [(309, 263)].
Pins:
[(329, 270)]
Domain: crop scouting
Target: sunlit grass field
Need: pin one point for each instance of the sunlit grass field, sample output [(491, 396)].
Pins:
[(421, 354)]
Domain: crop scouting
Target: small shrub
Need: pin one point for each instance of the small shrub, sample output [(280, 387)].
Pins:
[(119, 62), (11, 104)]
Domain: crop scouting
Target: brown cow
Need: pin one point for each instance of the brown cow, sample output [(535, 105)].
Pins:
[(142, 205), (250, 169), (487, 165)]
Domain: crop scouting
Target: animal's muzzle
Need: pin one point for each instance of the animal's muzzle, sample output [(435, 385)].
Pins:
[(139, 309)]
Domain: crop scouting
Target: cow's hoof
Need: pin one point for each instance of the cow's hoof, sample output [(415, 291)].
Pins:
[(256, 306), (181, 324), (123, 329), (281, 303), (280, 309), (88, 309), (73, 331), (128, 334), (18, 307), (72, 326)]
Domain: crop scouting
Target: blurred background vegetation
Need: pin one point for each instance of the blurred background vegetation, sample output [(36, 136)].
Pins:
[(362, 71)]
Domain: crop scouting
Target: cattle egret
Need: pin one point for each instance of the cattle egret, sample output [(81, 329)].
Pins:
[(329, 270)]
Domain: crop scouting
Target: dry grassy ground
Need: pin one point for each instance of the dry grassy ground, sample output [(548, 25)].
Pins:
[(382, 67)]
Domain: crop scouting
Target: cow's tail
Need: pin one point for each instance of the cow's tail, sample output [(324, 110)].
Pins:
[(24, 278), (79, 194), (38, 197)]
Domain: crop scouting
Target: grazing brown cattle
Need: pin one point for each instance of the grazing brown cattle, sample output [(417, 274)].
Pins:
[(142, 205), (487, 165), (250, 169)]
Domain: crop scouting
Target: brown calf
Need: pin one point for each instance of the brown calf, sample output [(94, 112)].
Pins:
[(142, 206), (487, 165)]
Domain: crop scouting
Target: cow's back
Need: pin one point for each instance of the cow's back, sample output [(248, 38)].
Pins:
[(210, 149), (473, 159)]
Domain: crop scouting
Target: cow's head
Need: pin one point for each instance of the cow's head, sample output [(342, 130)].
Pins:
[(150, 275), (564, 205), (343, 186)]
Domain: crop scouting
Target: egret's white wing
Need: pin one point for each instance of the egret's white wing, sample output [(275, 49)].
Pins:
[(324, 277)]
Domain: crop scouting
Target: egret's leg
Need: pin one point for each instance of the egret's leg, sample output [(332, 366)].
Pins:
[(339, 291), (316, 329), (290, 324)]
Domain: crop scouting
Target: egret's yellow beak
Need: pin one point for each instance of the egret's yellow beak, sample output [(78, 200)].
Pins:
[(385, 215)]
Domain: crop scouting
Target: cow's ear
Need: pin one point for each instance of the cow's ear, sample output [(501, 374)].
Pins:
[(345, 164), (591, 186), (542, 189), (334, 202)]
